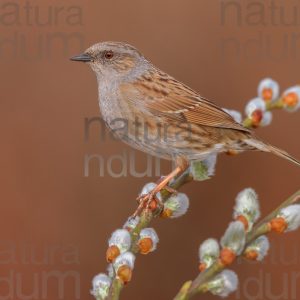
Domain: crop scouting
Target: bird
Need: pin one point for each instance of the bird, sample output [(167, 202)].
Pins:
[(154, 112)]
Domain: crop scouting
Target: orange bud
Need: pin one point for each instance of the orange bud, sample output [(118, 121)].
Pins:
[(227, 256), (243, 220), (112, 253), (124, 273), (278, 225), (267, 94), (251, 255), (202, 267), (256, 117), (153, 205), (166, 213), (290, 99), (145, 245)]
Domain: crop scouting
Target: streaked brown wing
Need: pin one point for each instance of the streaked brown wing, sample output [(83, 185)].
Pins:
[(168, 98)]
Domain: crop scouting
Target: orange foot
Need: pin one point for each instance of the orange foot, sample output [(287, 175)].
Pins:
[(150, 201)]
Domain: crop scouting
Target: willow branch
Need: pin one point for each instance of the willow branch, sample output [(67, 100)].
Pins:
[(197, 286), (147, 216)]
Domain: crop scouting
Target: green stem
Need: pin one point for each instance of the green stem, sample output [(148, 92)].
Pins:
[(115, 290), (146, 217)]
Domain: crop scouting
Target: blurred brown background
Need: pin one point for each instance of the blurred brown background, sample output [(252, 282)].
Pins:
[(54, 219)]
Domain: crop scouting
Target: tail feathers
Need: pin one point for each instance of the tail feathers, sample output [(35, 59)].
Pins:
[(269, 148)]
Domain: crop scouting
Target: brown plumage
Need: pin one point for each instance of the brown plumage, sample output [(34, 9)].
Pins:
[(151, 102)]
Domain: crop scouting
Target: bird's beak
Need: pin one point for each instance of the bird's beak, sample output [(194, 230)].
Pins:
[(84, 57)]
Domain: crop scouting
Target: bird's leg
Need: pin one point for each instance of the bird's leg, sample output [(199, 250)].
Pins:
[(149, 199), (167, 188)]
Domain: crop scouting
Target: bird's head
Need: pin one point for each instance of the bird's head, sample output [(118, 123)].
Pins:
[(112, 59)]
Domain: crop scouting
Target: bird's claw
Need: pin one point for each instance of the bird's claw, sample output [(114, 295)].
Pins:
[(147, 201)]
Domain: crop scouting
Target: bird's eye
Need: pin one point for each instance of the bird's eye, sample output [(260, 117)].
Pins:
[(109, 54)]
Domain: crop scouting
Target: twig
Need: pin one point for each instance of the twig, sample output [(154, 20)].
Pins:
[(262, 228), (146, 216)]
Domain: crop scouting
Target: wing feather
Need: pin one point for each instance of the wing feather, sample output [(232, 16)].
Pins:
[(168, 98)]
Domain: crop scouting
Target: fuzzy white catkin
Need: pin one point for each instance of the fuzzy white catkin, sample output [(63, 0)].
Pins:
[(268, 83), (126, 258), (266, 119), (223, 284), (247, 204), (120, 238), (150, 233), (254, 104), (261, 246), (101, 284), (295, 90), (210, 163), (209, 251), (110, 270), (292, 216), (234, 237), (178, 204), (149, 187)]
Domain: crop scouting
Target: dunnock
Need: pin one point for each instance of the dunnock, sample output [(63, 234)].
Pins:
[(155, 113)]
